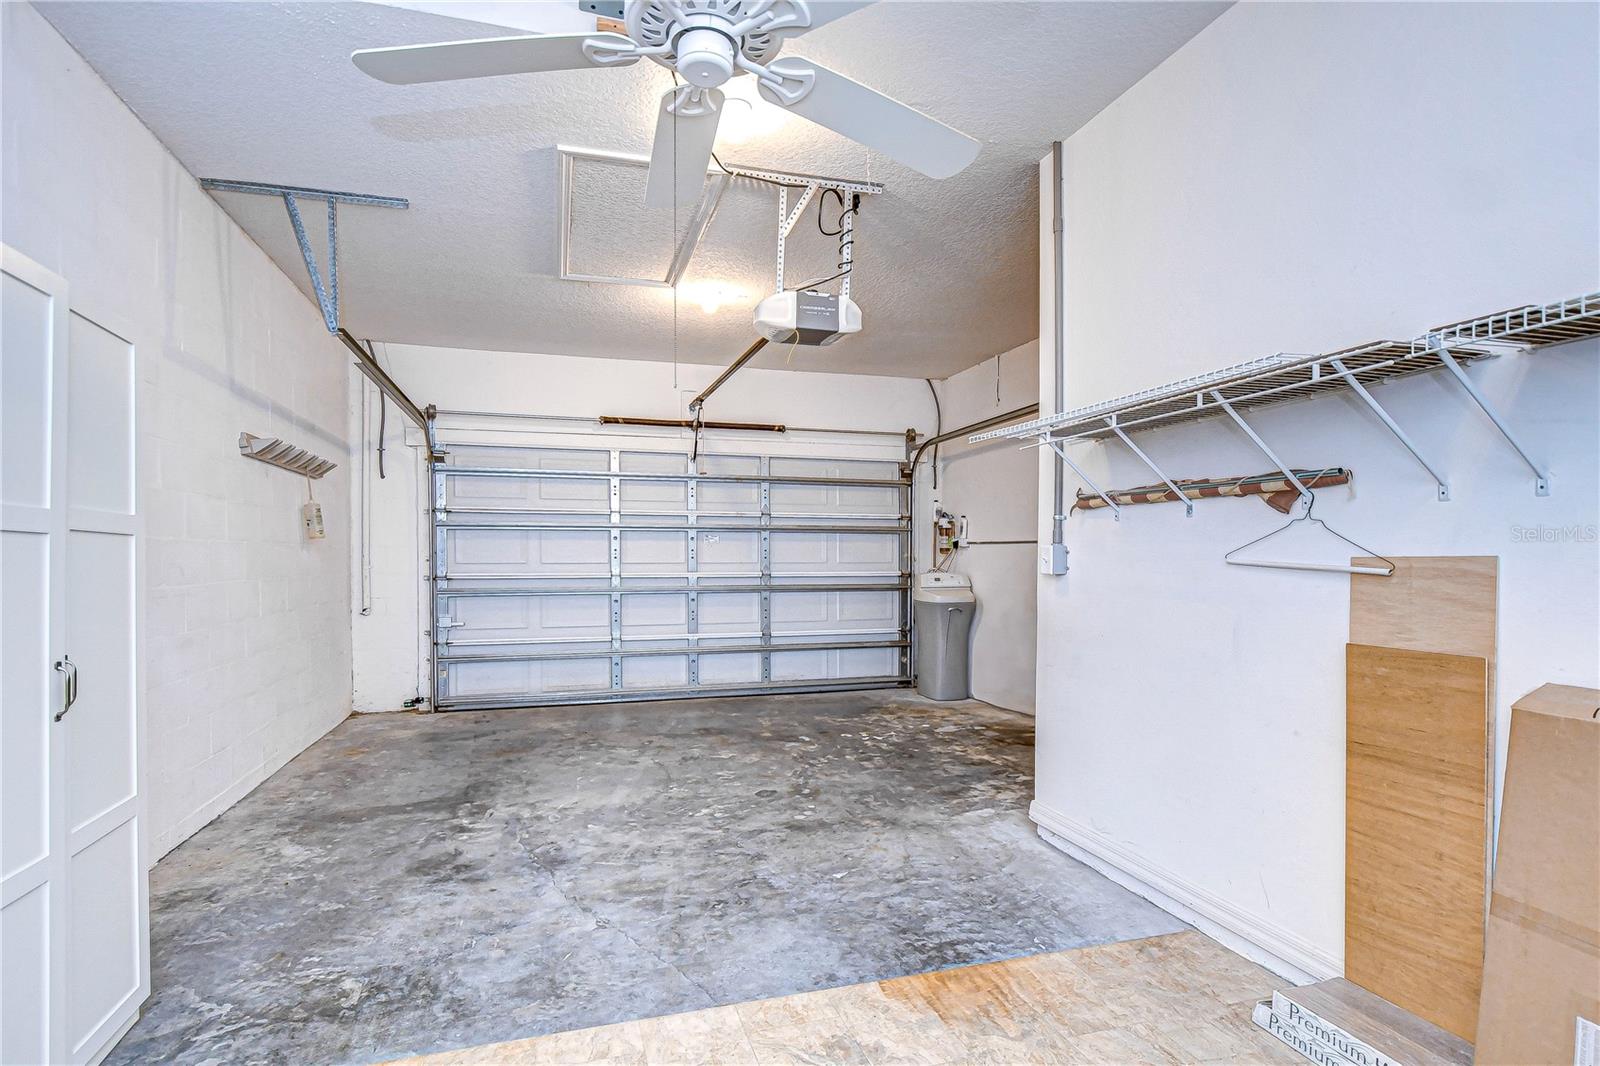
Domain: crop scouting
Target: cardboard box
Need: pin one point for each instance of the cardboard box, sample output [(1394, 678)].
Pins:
[(1541, 975)]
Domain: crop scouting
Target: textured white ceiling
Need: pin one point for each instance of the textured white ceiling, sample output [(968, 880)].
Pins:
[(946, 271)]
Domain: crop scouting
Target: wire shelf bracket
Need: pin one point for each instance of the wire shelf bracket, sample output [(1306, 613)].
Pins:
[(327, 295), (1286, 376)]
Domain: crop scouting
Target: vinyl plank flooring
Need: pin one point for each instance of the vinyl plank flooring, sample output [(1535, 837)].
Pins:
[(1168, 999)]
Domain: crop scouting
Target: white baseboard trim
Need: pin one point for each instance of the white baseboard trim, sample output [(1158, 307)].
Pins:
[(1284, 953)]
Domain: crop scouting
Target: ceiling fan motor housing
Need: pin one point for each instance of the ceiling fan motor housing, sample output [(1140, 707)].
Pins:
[(705, 55), (698, 34)]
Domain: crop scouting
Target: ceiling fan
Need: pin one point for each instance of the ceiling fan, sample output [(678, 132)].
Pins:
[(705, 42)]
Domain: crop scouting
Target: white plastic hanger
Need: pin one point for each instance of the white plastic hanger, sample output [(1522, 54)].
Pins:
[(1308, 499)]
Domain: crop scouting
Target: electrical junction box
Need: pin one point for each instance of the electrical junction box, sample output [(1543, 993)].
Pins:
[(1053, 560), (809, 317)]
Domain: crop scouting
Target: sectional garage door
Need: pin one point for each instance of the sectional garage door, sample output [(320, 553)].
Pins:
[(566, 575)]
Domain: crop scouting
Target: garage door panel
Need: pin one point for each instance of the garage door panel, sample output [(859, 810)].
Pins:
[(833, 665), (865, 609), (727, 611), (863, 662), (516, 552), (633, 462), (527, 619), (728, 496), (835, 500), (655, 671), (796, 553), (730, 669), (727, 551), (545, 493), (653, 497), (509, 680), (852, 469), (556, 493), (647, 616), (671, 583), (866, 550), (645, 551), (809, 611)]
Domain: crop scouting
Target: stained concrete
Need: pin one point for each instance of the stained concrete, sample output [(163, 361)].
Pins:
[(422, 882)]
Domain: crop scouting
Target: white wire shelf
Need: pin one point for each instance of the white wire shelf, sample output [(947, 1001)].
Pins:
[(1277, 378)]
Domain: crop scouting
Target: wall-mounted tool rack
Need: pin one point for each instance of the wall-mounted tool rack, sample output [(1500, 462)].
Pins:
[(1276, 378), (281, 453)]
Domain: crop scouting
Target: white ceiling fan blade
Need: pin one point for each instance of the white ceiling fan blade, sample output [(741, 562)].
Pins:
[(682, 149), (867, 116), (512, 14), (826, 11), (487, 57)]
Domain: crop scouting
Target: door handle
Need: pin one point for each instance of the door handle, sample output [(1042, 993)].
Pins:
[(70, 669)]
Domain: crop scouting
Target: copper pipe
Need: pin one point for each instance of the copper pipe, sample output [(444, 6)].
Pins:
[(685, 423)]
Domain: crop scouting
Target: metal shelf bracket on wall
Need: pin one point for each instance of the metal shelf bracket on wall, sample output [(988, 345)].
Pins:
[(1541, 479), (1276, 378), (327, 295)]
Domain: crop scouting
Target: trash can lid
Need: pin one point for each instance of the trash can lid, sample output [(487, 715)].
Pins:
[(935, 586)]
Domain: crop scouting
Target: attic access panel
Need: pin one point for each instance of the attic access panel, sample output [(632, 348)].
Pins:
[(607, 234)]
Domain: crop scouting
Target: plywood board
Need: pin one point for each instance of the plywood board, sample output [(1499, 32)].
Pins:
[(1379, 1024), (1430, 603), (1416, 804)]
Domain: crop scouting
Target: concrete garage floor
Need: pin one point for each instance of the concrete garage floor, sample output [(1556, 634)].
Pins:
[(414, 883)]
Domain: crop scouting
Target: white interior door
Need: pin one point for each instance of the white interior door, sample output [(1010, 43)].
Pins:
[(107, 900), (33, 350), (74, 903)]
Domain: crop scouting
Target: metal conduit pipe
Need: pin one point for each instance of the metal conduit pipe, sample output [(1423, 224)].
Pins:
[(380, 377), (981, 424), (1058, 299)]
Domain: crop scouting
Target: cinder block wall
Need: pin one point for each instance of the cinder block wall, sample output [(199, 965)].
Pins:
[(247, 632)]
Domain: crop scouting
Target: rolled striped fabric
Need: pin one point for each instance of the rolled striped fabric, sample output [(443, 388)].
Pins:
[(1278, 491)]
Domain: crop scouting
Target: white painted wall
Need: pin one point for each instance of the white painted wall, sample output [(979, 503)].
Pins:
[(389, 646), (1303, 177), (994, 485), (246, 634)]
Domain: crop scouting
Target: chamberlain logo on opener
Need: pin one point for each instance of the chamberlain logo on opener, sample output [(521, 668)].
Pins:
[(1542, 534)]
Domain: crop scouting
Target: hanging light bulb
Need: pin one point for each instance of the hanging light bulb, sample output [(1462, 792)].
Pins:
[(745, 116), (712, 296)]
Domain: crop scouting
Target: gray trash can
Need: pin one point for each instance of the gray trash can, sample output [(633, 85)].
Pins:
[(944, 608)]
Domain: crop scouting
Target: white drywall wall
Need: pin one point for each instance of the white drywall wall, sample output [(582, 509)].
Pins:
[(247, 643), (390, 650), (1301, 177), (993, 486)]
